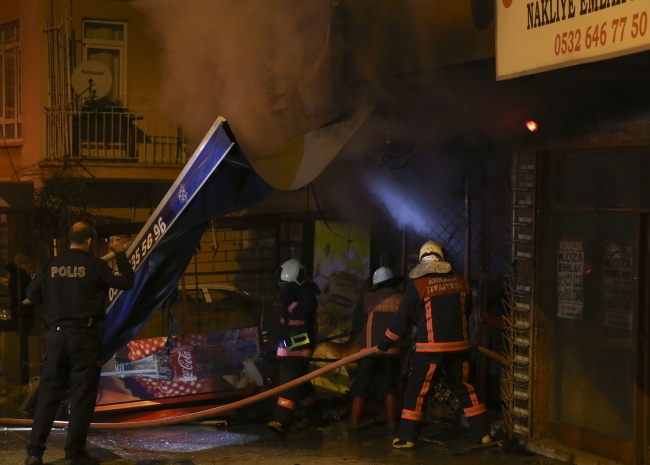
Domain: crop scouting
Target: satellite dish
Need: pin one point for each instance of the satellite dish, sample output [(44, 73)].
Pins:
[(92, 79)]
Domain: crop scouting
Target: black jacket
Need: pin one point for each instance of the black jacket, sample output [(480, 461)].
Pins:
[(74, 286), (438, 305), (298, 313), (373, 315)]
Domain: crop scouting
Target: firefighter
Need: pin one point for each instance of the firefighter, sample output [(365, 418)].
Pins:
[(296, 345), (380, 372), (73, 288), (437, 301)]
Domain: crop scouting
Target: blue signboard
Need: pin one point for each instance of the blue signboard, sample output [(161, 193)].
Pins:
[(205, 189)]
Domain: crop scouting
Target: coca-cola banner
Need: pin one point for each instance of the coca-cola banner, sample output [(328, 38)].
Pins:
[(199, 363)]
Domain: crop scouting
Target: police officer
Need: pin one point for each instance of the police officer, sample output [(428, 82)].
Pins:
[(380, 372), (73, 288), (436, 301), (296, 345)]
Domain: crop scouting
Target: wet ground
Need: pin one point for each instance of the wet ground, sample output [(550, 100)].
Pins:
[(246, 441), (252, 443)]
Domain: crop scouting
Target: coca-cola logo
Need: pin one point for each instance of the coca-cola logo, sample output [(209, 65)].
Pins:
[(185, 362)]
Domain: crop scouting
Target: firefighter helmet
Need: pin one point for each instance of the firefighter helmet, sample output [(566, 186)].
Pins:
[(291, 271), (431, 249), (382, 274)]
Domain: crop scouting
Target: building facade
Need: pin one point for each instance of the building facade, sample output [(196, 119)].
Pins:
[(80, 89)]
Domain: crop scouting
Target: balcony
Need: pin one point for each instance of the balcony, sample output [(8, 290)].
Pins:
[(114, 135)]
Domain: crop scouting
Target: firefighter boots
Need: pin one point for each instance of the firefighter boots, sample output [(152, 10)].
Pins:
[(392, 412), (276, 427), (355, 414), (399, 444)]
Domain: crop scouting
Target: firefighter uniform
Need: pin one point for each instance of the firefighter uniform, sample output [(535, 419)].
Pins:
[(297, 324), (437, 302), (380, 372), (73, 288)]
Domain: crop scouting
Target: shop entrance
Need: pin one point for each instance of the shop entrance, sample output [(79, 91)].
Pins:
[(592, 306)]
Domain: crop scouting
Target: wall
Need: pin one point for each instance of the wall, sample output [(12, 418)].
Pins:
[(144, 75)]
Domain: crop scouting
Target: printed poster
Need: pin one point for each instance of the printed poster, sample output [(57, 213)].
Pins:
[(199, 363), (570, 272), (618, 286), (342, 271)]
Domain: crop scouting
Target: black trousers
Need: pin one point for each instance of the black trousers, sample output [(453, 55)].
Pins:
[(294, 368), (71, 365), (425, 366), (376, 373)]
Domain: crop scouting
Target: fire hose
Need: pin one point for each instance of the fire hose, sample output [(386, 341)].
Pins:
[(232, 406), (211, 411)]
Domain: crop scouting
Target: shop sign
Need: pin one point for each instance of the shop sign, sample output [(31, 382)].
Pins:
[(570, 266), (540, 35), (618, 286)]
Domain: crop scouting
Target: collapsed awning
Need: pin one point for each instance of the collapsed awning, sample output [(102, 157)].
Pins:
[(299, 161), (208, 188), (162, 250)]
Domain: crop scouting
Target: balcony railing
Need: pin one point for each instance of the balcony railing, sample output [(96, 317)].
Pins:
[(114, 134)]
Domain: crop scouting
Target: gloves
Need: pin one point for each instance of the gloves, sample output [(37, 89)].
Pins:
[(384, 345)]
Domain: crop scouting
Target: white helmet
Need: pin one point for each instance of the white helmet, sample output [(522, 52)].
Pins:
[(291, 271), (382, 274)]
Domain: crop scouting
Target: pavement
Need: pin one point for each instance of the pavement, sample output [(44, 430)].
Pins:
[(247, 441), (251, 443)]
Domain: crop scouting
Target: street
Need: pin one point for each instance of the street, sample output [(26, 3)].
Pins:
[(248, 443)]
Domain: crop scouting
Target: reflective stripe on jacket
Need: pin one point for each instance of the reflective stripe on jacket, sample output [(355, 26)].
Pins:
[(438, 305), (297, 316), (379, 308)]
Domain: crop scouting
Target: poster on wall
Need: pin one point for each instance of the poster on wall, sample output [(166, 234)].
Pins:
[(199, 363), (618, 286), (341, 270), (570, 267)]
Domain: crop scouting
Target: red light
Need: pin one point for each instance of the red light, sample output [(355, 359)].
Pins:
[(588, 271), (531, 125)]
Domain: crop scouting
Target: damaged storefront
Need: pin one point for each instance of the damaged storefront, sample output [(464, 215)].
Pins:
[(591, 307), (578, 286)]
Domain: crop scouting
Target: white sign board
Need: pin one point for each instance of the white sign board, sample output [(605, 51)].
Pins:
[(540, 35), (570, 266), (618, 286)]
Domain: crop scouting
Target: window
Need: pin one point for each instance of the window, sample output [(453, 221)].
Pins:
[(105, 41), (11, 129)]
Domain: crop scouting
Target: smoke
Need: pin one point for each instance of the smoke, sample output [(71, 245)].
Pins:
[(442, 130), (278, 69), (264, 65)]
